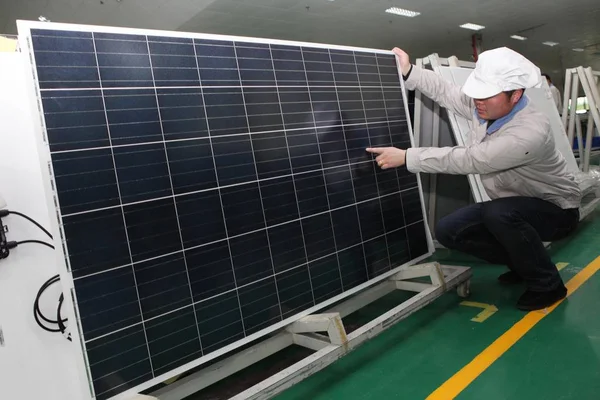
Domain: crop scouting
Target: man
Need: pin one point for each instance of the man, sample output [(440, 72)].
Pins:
[(555, 93), (534, 197)]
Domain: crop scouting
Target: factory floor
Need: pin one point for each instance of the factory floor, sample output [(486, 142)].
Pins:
[(439, 353)]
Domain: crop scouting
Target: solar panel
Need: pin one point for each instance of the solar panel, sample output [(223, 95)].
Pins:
[(212, 189)]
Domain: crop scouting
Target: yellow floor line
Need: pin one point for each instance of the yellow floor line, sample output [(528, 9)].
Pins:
[(463, 378)]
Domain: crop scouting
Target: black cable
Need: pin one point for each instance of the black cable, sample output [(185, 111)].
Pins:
[(61, 321), (35, 241), (37, 313), (32, 221)]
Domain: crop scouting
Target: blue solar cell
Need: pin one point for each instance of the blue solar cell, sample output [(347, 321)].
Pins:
[(260, 305), (311, 192), (152, 229), (242, 207), (210, 270), (163, 285), (346, 227), (170, 349), (352, 267), (287, 246), (219, 321), (201, 218), (279, 200), (251, 258), (294, 289), (233, 159), (318, 236), (325, 277)]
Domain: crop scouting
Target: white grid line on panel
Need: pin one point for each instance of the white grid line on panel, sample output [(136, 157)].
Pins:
[(396, 170), (293, 180), (350, 169), (187, 270), (216, 188), (245, 285), (323, 174), (366, 123), (190, 56), (123, 214), (198, 87), (116, 355), (225, 39), (251, 232), (387, 248), (258, 185), (237, 293)]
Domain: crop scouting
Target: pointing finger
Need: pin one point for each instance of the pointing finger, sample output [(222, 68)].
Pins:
[(376, 150)]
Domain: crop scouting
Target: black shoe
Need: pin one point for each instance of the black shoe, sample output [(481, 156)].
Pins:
[(510, 278), (530, 300)]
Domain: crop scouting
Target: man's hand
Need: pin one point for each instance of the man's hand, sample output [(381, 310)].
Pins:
[(389, 157), (404, 60)]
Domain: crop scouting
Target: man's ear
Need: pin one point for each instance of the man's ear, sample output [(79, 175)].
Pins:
[(516, 96)]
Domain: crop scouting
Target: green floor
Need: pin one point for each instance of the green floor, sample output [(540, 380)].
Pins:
[(559, 358)]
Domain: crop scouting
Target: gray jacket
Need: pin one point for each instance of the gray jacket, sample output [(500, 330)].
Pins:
[(515, 156)]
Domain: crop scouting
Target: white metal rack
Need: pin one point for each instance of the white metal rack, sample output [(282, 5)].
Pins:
[(588, 79)]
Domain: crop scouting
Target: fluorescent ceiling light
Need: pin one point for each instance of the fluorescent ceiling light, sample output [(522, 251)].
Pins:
[(473, 27), (550, 43), (518, 37), (578, 50), (402, 11)]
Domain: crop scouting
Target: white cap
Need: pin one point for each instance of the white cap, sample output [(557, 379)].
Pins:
[(500, 70)]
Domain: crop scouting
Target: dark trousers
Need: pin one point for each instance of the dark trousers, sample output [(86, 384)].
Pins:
[(511, 231)]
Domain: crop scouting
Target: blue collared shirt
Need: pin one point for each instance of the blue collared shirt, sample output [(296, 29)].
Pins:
[(499, 123)]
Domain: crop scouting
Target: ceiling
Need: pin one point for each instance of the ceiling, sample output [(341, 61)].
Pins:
[(363, 23)]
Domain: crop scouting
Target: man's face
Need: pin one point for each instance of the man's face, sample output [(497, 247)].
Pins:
[(497, 106)]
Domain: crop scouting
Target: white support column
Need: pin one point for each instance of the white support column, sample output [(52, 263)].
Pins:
[(580, 146), (595, 103), (412, 286), (313, 342), (586, 151), (432, 270), (433, 60), (574, 93), (362, 299), (330, 323), (414, 271), (435, 142), (437, 275), (417, 113), (589, 87), (566, 96), (453, 61)]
